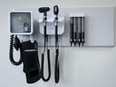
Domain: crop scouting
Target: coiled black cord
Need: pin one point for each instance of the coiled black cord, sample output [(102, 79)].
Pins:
[(11, 52), (48, 58), (42, 66)]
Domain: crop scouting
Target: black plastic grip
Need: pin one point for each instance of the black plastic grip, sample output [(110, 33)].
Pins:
[(45, 32), (75, 38), (57, 73), (83, 38), (71, 30), (80, 39), (56, 35)]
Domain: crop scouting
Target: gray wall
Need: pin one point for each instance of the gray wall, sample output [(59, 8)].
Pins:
[(80, 67)]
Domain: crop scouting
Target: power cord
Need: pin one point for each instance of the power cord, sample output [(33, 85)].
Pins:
[(17, 46)]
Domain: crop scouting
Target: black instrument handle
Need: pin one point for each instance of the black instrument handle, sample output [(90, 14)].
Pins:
[(57, 72), (71, 30), (80, 39), (83, 32), (83, 38), (56, 35)]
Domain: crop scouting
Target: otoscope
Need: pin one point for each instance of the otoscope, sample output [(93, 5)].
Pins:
[(56, 11), (44, 10)]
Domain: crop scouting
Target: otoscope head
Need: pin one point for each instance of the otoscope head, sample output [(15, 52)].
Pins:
[(44, 10), (56, 10)]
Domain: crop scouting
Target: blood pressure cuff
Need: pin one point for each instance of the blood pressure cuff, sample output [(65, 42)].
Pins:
[(31, 66)]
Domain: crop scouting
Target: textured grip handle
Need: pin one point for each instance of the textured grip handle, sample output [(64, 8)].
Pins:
[(57, 73), (71, 30)]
